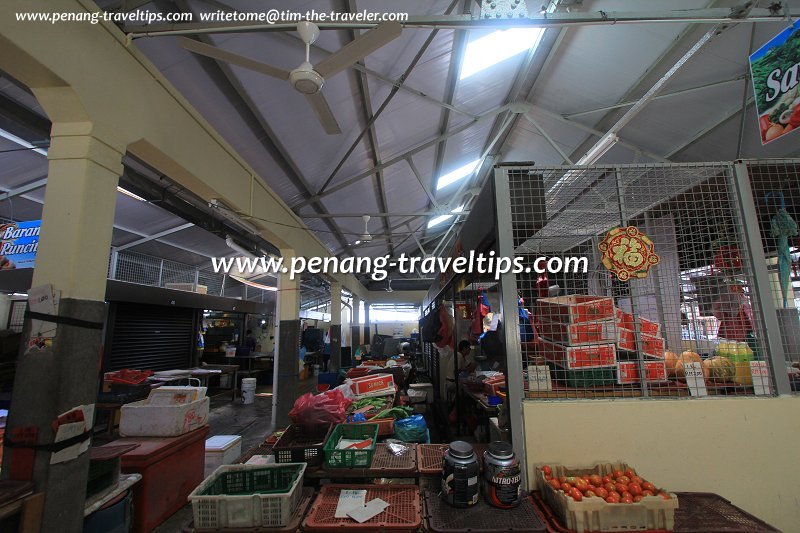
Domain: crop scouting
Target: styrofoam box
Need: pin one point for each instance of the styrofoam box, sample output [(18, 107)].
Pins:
[(222, 450), (140, 419), (427, 387)]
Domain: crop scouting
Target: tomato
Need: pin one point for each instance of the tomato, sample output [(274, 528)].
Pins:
[(547, 470), (589, 493), (647, 493), (621, 487), (608, 479), (624, 480), (581, 485), (601, 492), (646, 485), (626, 495), (626, 499), (664, 495), (566, 487), (637, 499), (618, 473), (562, 479), (548, 477), (610, 487), (585, 477), (637, 480), (576, 495), (635, 489), (630, 473), (612, 497), (595, 480), (555, 484)]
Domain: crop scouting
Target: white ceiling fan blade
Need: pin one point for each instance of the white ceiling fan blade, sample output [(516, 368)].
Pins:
[(358, 48), (234, 59), (324, 113)]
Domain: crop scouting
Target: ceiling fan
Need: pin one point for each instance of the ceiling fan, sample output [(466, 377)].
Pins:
[(366, 236), (308, 79), (389, 288)]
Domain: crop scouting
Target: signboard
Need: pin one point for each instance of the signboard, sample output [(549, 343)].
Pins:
[(18, 244), (775, 69), (694, 379)]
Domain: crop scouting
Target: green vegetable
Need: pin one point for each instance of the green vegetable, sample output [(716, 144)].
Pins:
[(395, 412), (376, 403), (775, 116)]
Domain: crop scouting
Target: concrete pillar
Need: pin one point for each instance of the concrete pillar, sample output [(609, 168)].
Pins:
[(5, 310), (336, 326), (367, 335), (72, 257), (287, 348), (355, 325)]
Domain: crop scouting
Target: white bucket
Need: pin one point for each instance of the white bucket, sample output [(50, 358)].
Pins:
[(248, 390)]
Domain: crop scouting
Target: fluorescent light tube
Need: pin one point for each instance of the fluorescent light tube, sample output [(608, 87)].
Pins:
[(598, 150)]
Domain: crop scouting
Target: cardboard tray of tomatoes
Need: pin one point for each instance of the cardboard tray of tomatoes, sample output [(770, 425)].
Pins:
[(601, 498)]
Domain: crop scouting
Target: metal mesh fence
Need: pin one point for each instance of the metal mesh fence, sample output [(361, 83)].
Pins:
[(776, 193), (648, 273), (143, 269)]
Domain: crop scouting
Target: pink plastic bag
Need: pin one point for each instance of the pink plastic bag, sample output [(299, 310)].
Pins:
[(326, 408)]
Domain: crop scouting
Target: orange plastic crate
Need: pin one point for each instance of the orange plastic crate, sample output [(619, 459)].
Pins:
[(403, 513)]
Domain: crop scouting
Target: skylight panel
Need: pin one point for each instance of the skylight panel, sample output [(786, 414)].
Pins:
[(498, 46), (457, 174), (435, 221)]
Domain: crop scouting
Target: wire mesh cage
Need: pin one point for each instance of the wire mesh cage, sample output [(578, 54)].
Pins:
[(633, 274), (775, 186)]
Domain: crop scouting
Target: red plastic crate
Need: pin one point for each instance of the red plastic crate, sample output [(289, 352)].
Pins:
[(171, 468), (403, 513), (573, 357)]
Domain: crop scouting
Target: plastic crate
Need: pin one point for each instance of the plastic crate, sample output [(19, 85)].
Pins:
[(701, 512), (430, 456), (248, 496), (307, 496), (595, 514), (302, 444), (584, 378), (443, 518), (403, 513), (352, 458)]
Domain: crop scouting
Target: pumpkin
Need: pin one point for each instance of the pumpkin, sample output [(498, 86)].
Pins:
[(685, 358), (720, 368), (670, 358)]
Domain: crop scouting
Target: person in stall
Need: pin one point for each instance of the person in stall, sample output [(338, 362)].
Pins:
[(734, 313)]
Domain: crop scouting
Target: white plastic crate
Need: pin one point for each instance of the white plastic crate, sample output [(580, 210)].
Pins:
[(595, 514), (140, 419), (254, 509)]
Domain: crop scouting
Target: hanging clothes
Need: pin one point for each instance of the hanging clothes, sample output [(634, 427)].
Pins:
[(481, 310), (445, 332), (525, 324)]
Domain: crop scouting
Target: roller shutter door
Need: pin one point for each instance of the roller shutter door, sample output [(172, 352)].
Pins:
[(150, 337)]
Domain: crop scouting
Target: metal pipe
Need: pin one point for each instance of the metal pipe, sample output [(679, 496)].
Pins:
[(462, 22)]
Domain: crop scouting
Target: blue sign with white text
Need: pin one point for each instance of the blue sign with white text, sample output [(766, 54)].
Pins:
[(18, 244)]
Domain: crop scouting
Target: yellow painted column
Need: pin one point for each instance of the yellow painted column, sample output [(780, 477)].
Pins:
[(355, 325), (287, 349), (62, 376)]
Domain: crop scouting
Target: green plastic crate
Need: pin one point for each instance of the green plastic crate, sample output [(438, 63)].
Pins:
[(272, 480), (351, 458), (585, 377)]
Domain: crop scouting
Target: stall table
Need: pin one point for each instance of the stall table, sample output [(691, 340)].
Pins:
[(384, 464), (439, 517)]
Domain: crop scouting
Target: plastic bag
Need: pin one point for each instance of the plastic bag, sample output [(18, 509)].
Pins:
[(411, 429), (327, 408)]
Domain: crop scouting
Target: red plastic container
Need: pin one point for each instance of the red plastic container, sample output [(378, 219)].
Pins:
[(572, 357), (403, 513), (171, 468), (628, 371)]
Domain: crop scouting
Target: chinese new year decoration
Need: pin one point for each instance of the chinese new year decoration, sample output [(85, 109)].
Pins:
[(628, 253)]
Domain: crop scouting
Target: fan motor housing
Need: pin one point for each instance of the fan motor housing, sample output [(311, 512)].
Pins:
[(306, 80)]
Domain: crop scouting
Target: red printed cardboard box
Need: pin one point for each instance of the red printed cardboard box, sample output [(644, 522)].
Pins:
[(600, 332), (575, 309), (651, 345), (625, 321), (572, 357), (628, 371), (372, 385)]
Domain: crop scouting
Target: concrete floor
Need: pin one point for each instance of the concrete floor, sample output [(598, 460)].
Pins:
[(253, 422)]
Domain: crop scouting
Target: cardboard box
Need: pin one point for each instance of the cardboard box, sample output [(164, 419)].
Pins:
[(652, 346), (628, 371), (576, 308), (598, 332), (372, 385), (572, 357), (625, 321)]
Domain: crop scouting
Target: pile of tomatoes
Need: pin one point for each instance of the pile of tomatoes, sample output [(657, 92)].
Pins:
[(617, 487)]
